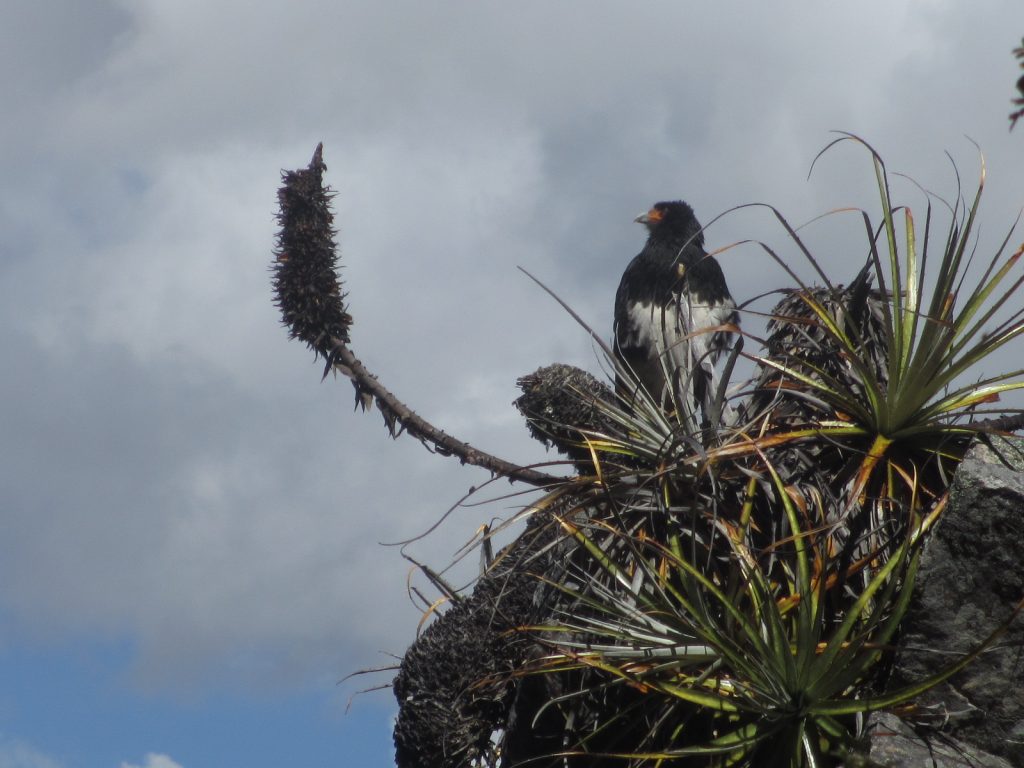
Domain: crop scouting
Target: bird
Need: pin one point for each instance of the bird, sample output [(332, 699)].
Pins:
[(674, 315)]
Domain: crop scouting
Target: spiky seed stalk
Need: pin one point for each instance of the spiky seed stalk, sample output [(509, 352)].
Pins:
[(306, 285)]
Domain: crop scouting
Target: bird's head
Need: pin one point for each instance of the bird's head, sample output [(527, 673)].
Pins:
[(672, 221)]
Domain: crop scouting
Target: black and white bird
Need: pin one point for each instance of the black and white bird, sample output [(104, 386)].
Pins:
[(673, 313)]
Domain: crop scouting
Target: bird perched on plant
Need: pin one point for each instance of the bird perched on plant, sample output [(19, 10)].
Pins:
[(672, 313)]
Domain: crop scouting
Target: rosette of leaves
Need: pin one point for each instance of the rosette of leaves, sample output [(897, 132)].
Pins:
[(884, 387)]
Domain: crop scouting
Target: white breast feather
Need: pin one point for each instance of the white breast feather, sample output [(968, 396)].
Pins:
[(673, 333)]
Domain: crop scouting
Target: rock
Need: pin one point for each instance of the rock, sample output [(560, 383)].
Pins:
[(895, 745), (970, 582)]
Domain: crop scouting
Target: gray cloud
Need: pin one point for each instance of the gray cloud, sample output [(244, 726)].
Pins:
[(173, 471)]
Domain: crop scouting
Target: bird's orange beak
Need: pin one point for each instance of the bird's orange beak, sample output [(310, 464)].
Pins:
[(653, 216)]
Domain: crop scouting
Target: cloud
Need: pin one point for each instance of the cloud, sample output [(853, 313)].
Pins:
[(18, 754), (174, 471), (154, 760)]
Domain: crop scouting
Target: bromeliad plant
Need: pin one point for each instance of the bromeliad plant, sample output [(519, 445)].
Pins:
[(737, 601), (690, 648), (917, 401)]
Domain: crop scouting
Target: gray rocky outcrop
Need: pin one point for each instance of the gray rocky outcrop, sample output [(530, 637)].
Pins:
[(970, 582)]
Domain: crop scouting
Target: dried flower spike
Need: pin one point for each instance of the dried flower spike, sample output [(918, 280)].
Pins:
[(306, 285)]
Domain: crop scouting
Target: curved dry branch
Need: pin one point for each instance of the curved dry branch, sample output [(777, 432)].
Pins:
[(1008, 424), (400, 418), (310, 297)]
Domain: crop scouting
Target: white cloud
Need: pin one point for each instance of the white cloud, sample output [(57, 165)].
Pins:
[(154, 760), (18, 754)]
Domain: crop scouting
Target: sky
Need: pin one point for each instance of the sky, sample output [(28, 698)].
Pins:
[(198, 534)]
